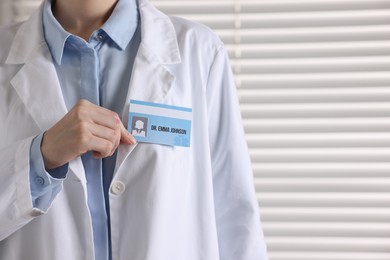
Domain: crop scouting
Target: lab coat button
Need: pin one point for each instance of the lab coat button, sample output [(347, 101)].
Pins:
[(39, 181), (118, 187)]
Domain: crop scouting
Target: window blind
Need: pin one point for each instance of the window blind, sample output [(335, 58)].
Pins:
[(313, 80), (314, 86)]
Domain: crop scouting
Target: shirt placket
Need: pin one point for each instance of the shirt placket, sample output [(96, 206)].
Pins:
[(90, 90)]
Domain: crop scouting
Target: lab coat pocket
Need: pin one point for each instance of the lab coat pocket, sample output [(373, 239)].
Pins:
[(156, 167)]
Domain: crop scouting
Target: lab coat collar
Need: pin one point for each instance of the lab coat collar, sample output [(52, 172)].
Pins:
[(158, 34)]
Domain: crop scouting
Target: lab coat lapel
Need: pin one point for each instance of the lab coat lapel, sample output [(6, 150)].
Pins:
[(150, 80), (36, 82), (38, 87)]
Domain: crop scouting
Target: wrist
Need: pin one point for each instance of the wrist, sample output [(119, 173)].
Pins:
[(47, 154)]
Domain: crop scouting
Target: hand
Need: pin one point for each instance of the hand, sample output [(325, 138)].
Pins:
[(87, 127)]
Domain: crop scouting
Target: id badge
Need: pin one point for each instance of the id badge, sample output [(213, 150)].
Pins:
[(160, 124)]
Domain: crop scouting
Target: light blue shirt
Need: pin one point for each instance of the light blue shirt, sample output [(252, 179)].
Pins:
[(104, 62)]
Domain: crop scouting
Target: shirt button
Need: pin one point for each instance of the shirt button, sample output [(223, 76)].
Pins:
[(99, 37), (118, 187), (39, 181)]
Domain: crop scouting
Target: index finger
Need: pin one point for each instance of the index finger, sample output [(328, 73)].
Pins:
[(126, 137)]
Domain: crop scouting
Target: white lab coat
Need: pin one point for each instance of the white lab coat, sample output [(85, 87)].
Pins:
[(166, 203)]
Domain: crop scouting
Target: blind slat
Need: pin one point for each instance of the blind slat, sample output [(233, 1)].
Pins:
[(328, 184), (322, 170), (325, 214), (326, 229)]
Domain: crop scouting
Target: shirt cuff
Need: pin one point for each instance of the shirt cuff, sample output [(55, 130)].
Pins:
[(44, 185)]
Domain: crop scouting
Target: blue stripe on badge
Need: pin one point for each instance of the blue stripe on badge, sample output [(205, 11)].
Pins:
[(144, 103)]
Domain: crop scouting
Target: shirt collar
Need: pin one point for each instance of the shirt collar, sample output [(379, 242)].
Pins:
[(55, 35), (124, 13), (122, 23)]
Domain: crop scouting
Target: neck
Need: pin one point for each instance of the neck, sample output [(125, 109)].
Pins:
[(82, 17)]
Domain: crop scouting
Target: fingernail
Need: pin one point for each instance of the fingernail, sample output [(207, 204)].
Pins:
[(131, 139)]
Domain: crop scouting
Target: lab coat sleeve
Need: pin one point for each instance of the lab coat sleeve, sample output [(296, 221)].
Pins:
[(240, 236), (16, 208), (44, 185), (19, 181)]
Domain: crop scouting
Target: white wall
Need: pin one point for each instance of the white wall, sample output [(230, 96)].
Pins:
[(6, 13), (12, 11)]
